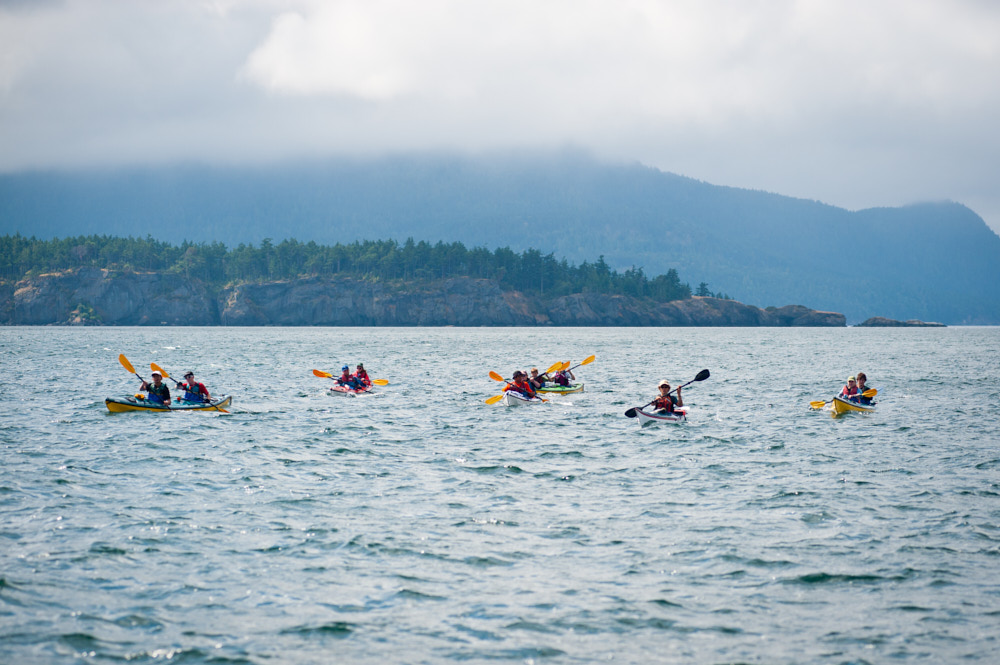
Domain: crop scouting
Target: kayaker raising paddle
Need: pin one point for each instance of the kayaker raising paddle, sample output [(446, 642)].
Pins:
[(157, 391), (520, 384), (667, 403), (563, 377), (193, 391)]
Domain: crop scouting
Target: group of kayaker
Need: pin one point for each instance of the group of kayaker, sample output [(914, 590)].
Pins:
[(357, 381), (529, 385), (855, 389), (157, 392)]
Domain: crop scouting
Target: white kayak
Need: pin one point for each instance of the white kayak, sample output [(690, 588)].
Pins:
[(514, 398), (652, 417)]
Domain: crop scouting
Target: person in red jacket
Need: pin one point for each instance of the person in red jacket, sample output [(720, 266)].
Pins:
[(194, 391), (667, 403), (521, 384), (362, 376)]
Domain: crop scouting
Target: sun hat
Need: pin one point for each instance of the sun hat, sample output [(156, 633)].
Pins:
[(663, 383), (345, 367), (851, 378), (157, 374)]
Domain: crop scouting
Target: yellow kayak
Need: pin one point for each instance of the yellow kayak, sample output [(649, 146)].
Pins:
[(123, 404), (842, 405)]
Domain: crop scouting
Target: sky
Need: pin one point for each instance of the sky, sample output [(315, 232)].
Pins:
[(856, 103)]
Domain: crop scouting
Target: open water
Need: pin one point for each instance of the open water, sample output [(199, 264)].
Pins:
[(420, 525)]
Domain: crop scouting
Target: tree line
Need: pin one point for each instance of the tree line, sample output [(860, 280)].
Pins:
[(529, 271)]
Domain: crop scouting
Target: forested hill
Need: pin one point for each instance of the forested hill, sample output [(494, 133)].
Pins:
[(930, 261)]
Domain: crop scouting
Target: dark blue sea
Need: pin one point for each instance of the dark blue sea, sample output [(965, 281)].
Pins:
[(421, 525)]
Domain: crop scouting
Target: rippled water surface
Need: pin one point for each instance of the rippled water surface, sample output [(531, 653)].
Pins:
[(420, 525)]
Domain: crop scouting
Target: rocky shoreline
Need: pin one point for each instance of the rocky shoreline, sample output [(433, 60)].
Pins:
[(92, 296), (882, 322)]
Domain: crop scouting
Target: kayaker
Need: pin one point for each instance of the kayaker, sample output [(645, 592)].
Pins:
[(157, 391), (521, 384), (862, 387), (667, 403), (562, 378), (194, 391), (537, 380), (851, 389), (362, 376), (347, 379)]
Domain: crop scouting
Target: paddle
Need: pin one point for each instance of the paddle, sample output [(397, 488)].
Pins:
[(127, 365), (327, 375), (702, 375), (871, 392), (586, 361), (497, 377), (163, 372)]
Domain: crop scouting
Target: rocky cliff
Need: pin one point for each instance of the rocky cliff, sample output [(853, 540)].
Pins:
[(103, 297)]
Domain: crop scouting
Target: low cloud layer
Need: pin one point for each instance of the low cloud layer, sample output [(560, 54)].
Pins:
[(852, 103)]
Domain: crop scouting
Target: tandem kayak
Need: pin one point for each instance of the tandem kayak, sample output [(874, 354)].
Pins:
[(652, 417), (344, 390), (513, 398), (123, 404), (561, 390), (841, 405)]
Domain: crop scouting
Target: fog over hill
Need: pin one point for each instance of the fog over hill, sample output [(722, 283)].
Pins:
[(931, 261)]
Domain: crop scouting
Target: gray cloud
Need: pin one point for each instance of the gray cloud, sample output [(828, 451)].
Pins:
[(853, 103)]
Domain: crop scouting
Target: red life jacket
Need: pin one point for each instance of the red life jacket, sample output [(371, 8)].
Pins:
[(665, 403), (522, 387), (363, 377)]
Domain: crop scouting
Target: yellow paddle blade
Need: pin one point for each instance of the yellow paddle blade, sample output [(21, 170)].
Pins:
[(380, 382), (324, 375), (817, 405), (871, 392), (125, 363), (495, 399), (588, 360), (497, 377), (564, 366), (156, 368), (554, 368)]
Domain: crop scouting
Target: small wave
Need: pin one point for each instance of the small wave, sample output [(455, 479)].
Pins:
[(334, 628), (830, 578)]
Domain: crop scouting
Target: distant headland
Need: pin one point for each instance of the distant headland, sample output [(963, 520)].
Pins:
[(882, 322), (93, 296)]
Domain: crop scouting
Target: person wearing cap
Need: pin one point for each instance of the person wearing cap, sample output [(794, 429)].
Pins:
[(667, 403), (157, 392), (851, 389), (521, 384), (347, 379), (193, 391), (362, 376)]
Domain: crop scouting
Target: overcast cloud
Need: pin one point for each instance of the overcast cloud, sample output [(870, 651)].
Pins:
[(854, 103)]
